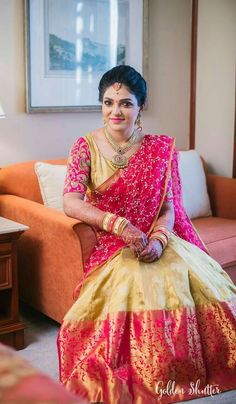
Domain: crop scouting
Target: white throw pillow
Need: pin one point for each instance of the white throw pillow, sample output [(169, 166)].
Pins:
[(51, 179), (195, 197)]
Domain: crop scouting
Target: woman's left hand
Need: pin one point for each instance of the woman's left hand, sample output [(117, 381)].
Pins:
[(152, 251)]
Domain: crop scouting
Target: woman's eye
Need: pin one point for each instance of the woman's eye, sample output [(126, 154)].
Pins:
[(127, 104), (107, 102)]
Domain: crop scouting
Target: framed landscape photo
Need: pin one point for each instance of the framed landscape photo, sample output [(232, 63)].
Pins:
[(70, 44)]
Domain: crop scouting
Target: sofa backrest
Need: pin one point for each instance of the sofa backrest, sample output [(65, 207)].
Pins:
[(20, 179)]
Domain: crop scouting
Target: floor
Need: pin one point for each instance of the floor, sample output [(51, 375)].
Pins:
[(40, 341), (41, 350)]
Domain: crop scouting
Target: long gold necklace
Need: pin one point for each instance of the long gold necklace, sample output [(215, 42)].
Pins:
[(119, 160)]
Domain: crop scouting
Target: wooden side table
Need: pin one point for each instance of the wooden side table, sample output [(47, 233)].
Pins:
[(11, 329)]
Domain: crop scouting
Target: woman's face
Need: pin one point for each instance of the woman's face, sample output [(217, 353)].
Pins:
[(120, 109)]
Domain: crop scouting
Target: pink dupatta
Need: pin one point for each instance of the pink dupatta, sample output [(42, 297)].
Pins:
[(137, 193)]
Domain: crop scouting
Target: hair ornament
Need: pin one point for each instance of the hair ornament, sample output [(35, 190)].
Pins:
[(117, 86)]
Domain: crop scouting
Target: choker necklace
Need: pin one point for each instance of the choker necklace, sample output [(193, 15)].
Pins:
[(119, 160)]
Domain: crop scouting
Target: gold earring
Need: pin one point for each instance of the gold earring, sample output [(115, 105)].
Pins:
[(104, 121), (138, 121)]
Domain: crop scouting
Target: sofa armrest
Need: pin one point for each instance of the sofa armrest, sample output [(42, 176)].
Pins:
[(51, 254), (222, 193), (34, 214)]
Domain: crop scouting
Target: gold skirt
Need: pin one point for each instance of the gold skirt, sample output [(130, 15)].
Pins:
[(151, 332)]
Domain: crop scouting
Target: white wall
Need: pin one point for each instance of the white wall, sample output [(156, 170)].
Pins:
[(216, 83), (39, 136)]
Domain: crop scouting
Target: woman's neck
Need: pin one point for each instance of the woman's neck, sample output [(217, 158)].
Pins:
[(120, 136)]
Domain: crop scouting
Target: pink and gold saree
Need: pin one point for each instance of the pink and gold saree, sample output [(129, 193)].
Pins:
[(147, 332)]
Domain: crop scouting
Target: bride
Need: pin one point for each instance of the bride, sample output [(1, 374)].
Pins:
[(154, 315)]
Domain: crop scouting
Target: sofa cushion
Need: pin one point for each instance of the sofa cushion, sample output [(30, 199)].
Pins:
[(20, 180), (51, 179), (220, 237), (195, 197)]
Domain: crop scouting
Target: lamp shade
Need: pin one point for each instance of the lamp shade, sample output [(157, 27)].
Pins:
[(2, 113)]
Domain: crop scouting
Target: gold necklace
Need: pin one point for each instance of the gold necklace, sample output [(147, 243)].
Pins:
[(119, 160)]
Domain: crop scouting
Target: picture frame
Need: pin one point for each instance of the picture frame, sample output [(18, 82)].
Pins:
[(70, 44)]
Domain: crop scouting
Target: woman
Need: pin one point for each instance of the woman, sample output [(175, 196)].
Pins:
[(154, 317)]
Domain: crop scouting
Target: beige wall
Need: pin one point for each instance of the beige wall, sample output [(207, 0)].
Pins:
[(169, 67), (216, 83), (39, 136)]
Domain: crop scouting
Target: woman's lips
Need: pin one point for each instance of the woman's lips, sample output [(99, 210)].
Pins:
[(116, 120)]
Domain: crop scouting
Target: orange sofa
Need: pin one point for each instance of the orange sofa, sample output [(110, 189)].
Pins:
[(52, 252)]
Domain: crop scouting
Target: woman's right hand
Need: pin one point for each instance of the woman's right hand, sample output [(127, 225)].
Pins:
[(134, 238)]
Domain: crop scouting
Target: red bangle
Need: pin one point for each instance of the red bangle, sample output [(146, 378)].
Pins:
[(111, 223)]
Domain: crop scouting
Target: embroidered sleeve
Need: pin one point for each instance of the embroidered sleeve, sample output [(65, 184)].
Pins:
[(169, 193), (78, 168)]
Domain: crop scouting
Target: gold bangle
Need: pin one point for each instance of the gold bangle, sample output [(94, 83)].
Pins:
[(106, 219), (161, 237), (119, 225), (162, 241), (163, 229), (163, 233), (158, 233), (122, 226), (111, 224)]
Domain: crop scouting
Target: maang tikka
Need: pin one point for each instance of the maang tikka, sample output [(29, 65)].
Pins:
[(117, 86)]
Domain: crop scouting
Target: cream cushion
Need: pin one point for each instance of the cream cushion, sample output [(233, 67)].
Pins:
[(51, 179), (195, 197)]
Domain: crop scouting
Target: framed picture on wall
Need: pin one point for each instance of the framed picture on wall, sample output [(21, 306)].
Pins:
[(71, 44)]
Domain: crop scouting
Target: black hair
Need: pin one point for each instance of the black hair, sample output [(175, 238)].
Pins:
[(128, 76)]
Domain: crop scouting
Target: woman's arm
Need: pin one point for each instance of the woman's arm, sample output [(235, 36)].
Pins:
[(75, 206), (76, 182), (166, 217)]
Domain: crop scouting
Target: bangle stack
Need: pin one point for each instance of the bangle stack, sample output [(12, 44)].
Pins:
[(114, 224), (161, 233)]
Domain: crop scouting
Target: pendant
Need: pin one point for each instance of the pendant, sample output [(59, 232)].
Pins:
[(119, 161)]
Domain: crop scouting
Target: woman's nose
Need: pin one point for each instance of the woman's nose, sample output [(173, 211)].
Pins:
[(116, 109)]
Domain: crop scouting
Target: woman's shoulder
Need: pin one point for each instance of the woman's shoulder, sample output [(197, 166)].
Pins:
[(85, 140), (87, 144), (80, 146)]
